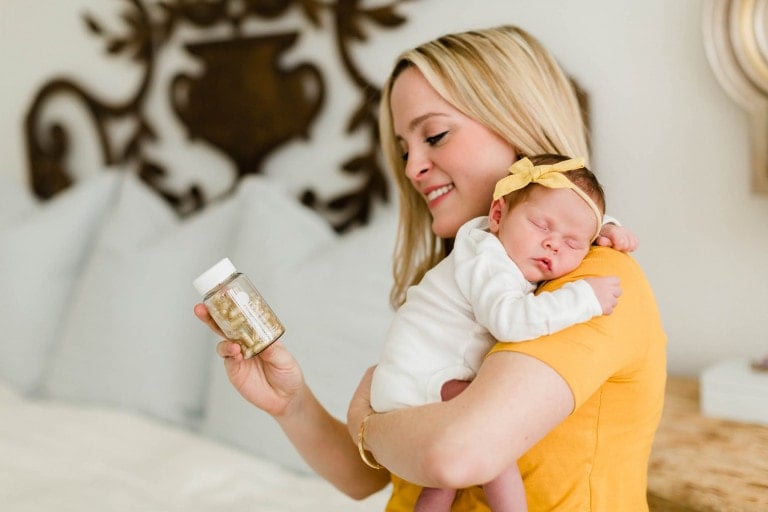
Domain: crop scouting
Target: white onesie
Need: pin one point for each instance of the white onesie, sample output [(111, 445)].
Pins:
[(462, 306)]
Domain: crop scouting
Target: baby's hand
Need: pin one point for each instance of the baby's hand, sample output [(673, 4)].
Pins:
[(607, 290), (618, 237)]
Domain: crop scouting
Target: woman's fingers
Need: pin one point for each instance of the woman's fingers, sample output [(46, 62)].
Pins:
[(201, 312), (228, 349)]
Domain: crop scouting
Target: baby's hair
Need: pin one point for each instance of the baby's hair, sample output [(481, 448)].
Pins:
[(582, 178)]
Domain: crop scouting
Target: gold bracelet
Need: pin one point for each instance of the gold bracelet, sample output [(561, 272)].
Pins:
[(361, 442)]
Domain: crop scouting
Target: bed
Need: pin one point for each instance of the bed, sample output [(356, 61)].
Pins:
[(111, 395)]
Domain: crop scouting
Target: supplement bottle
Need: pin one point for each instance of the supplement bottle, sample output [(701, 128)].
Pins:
[(238, 308)]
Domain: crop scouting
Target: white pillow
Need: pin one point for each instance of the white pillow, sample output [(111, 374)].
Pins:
[(42, 253), (335, 306), (17, 201), (130, 338), (275, 231)]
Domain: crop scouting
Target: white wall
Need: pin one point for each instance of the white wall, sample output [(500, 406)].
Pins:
[(670, 146)]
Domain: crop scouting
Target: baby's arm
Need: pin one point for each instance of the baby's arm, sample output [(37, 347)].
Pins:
[(520, 318), (501, 300)]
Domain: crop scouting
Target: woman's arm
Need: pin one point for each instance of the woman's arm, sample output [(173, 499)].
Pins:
[(514, 401), (273, 382), (324, 443)]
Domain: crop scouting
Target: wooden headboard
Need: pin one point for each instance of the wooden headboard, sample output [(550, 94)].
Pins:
[(246, 103)]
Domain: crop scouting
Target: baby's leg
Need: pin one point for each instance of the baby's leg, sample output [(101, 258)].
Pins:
[(452, 388), (432, 499), (506, 493)]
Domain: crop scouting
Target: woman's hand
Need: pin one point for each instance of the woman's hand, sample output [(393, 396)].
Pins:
[(271, 380), (618, 237)]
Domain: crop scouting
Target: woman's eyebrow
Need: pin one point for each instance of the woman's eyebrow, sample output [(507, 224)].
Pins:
[(420, 119)]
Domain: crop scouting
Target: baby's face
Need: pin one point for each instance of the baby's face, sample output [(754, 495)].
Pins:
[(548, 234)]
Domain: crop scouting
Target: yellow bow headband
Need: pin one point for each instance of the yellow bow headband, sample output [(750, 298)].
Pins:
[(523, 172)]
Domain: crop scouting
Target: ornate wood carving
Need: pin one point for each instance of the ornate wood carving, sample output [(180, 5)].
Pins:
[(246, 103)]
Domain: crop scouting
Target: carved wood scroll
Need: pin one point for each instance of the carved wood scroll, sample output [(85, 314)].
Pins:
[(736, 42), (246, 103)]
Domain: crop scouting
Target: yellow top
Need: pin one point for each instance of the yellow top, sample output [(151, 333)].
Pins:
[(615, 365)]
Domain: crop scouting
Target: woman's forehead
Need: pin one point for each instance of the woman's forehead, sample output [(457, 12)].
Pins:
[(415, 102)]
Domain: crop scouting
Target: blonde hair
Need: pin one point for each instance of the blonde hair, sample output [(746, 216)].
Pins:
[(501, 77)]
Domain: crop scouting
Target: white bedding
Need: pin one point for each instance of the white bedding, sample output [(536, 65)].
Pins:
[(64, 457), (112, 396)]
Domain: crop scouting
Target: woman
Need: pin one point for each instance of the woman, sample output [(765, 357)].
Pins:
[(455, 114)]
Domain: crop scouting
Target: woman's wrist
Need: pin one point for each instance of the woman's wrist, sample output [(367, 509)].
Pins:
[(365, 454), (300, 408)]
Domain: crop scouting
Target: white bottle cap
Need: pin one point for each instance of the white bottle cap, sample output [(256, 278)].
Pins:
[(214, 276)]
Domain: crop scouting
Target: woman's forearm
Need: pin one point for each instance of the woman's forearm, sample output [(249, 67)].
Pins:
[(324, 443), (514, 401)]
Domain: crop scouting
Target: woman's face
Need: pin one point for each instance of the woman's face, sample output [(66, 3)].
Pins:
[(451, 160)]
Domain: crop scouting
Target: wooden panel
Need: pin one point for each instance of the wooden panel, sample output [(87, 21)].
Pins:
[(703, 464)]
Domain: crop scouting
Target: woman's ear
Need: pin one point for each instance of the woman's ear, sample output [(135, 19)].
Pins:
[(498, 209)]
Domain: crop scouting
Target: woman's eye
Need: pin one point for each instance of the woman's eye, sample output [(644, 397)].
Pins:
[(404, 156), (434, 139)]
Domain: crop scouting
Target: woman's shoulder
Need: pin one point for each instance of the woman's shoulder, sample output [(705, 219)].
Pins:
[(604, 261), (601, 261)]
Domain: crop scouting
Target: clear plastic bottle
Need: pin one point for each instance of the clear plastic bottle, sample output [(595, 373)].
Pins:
[(238, 308)]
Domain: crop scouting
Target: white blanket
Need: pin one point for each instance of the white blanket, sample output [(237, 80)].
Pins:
[(56, 456), (113, 398)]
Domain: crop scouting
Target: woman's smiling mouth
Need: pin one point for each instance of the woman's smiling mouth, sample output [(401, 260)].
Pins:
[(438, 192)]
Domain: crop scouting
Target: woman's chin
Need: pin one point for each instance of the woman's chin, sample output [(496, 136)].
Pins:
[(445, 228)]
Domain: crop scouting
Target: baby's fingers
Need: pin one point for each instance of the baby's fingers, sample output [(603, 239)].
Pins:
[(603, 241), (629, 242)]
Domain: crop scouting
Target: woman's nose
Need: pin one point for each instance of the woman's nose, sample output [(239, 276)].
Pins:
[(416, 168)]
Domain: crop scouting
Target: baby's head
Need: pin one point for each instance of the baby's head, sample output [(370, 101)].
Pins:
[(581, 177), (547, 229)]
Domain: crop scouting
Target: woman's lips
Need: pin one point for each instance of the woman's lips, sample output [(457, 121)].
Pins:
[(434, 195)]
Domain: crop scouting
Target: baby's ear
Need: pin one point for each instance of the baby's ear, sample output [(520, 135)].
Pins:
[(498, 207)]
